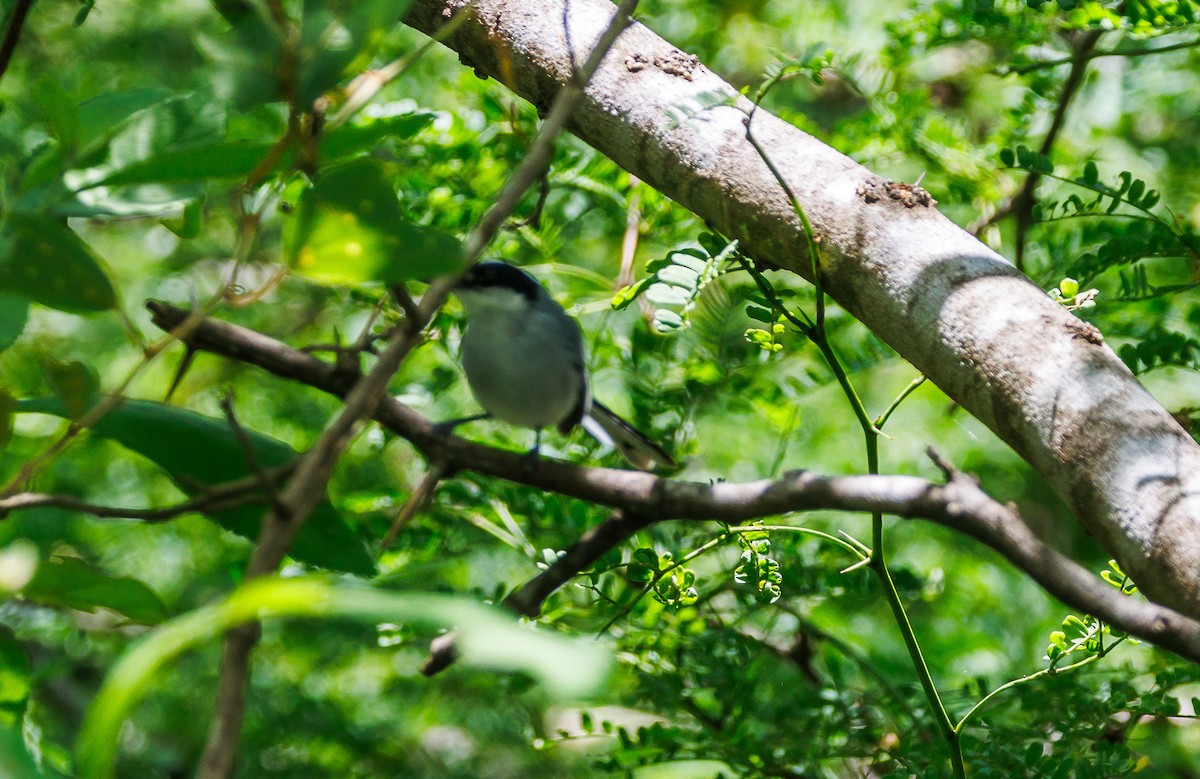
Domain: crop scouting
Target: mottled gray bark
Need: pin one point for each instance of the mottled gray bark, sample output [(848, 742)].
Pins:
[(1043, 380)]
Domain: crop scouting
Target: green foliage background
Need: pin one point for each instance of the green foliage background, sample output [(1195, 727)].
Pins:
[(125, 131)]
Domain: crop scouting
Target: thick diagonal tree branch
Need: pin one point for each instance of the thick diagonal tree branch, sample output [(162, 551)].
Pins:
[(642, 498), (1043, 380)]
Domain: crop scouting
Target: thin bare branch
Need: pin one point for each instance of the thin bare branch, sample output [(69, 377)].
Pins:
[(1021, 205), (1142, 51), (244, 442), (218, 498), (420, 497)]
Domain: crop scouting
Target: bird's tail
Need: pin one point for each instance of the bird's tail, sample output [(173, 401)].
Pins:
[(608, 428)]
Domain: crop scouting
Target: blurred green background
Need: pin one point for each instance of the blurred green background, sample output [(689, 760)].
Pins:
[(716, 681)]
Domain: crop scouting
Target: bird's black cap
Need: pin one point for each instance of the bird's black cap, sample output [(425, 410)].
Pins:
[(500, 274)]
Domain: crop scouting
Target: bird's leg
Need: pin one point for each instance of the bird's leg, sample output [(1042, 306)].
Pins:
[(447, 427), (531, 457)]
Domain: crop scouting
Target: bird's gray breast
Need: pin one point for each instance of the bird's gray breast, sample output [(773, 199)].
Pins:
[(526, 369)]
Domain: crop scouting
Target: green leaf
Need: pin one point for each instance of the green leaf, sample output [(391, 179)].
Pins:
[(244, 59), (15, 760), (83, 13), (1136, 190), (1008, 158), (1126, 182), (338, 39), (190, 222), (195, 163), (668, 295), (760, 314), (196, 450), (101, 116), (45, 261), (666, 320), (353, 138), (8, 408), (348, 228), (237, 159), (72, 382), (1090, 174), (43, 169), (58, 107), (154, 200), (187, 120), (639, 573), (676, 281), (170, 142), (72, 583), (14, 313), (647, 557), (1034, 161), (14, 678), (568, 668), (627, 294)]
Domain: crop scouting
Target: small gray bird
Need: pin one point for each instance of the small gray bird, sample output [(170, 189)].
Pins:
[(524, 360)]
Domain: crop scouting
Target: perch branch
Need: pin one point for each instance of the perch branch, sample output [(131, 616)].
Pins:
[(643, 498)]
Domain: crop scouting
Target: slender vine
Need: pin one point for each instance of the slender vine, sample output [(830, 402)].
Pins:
[(814, 329)]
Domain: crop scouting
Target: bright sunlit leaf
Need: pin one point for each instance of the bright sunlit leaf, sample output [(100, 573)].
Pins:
[(349, 228)]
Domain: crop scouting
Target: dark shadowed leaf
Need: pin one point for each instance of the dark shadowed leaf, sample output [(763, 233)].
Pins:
[(197, 450), (44, 260), (8, 407), (14, 313), (72, 382)]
